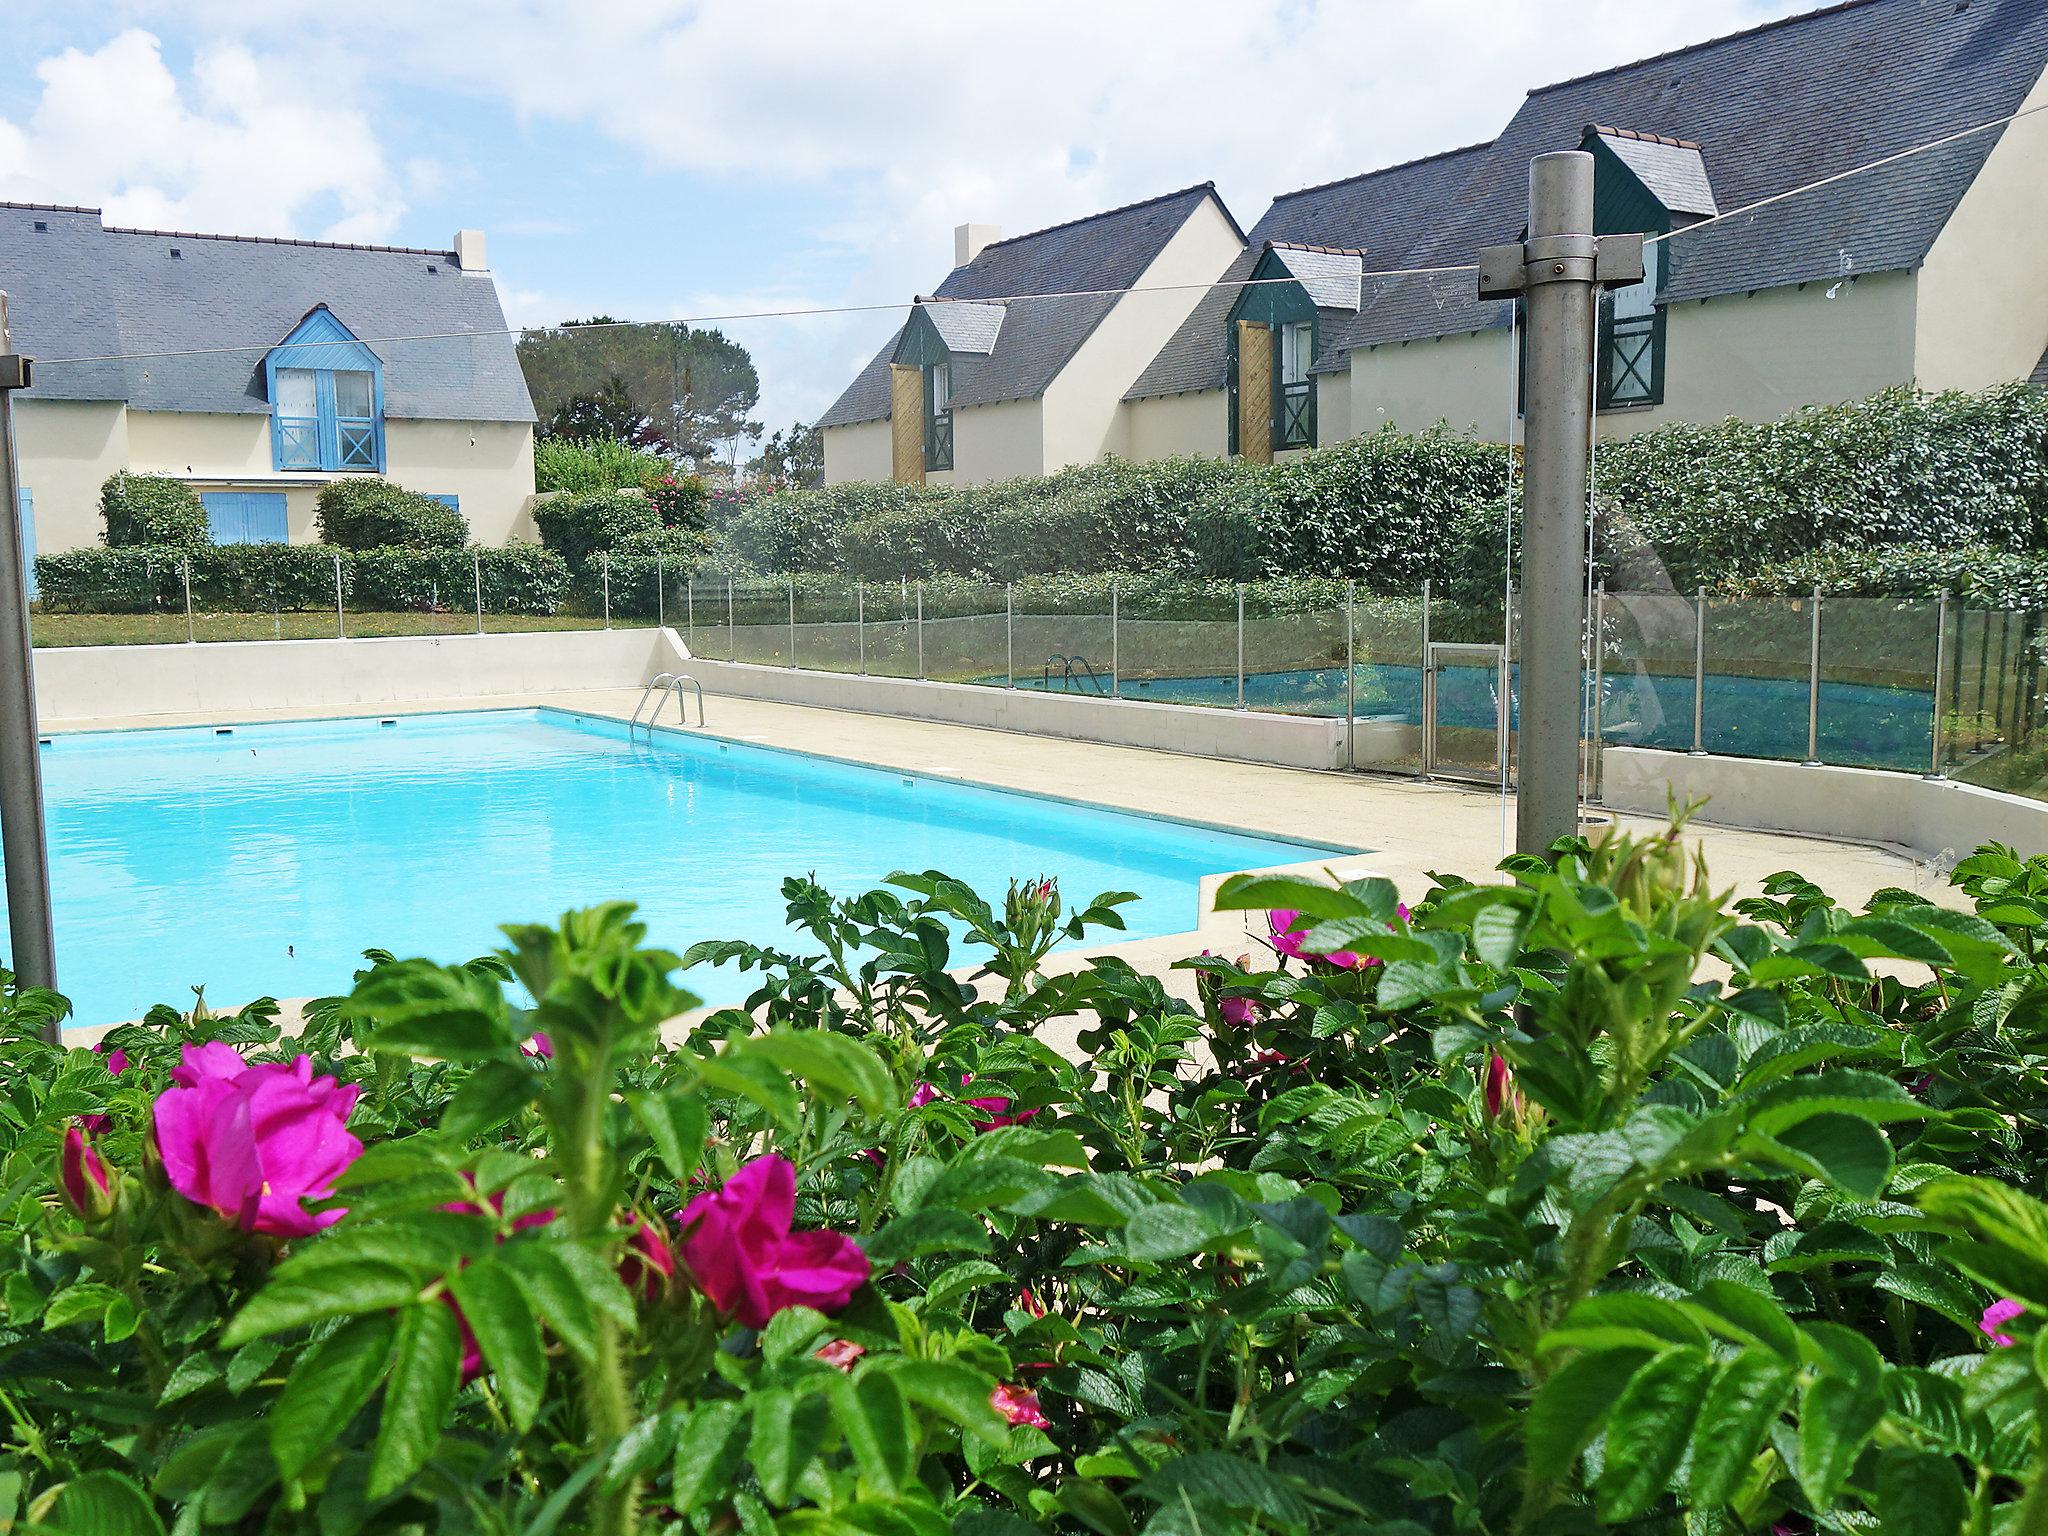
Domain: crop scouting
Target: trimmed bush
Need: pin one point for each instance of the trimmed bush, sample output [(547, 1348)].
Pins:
[(577, 527), (152, 509), (1981, 577), (255, 578), (579, 467), (377, 514)]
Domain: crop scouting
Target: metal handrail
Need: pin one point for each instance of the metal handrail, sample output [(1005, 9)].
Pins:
[(664, 685), (1069, 676)]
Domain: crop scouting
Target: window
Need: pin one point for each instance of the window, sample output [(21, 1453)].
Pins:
[(938, 416), (244, 517), (1294, 409), (326, 399), (1632, 340)]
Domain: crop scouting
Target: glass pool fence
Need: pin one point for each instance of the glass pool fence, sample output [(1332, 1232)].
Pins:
[(1424, 683)]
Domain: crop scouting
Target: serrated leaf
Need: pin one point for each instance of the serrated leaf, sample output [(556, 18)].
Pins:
[(338, 1290), (420, 1397), (327, 1387), (1648, 1430), (1742, 1403), (506, 1334)]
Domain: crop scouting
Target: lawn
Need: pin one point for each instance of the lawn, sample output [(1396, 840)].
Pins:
[(72, 629)]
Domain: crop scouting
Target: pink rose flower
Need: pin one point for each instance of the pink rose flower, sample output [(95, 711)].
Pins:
[(1996, 1316), (117, 1063), (921, 1095), (649, 1263), (841, 1353), (83, 1177), (1501, 1093), (744, 1257), (539, 1046), (1287, 929), (1029, 1304), (255, 1142), (1019, 1405)]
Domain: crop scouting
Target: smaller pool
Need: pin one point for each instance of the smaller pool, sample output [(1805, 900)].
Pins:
[(265, 858)]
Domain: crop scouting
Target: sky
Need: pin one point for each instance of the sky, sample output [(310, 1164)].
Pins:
[(654, 159)]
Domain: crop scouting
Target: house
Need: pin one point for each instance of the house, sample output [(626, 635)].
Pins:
[(258, 370), (1927, 270), (984, 381)]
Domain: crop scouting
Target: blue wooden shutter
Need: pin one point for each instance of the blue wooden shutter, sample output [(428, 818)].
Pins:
[(245, 517)]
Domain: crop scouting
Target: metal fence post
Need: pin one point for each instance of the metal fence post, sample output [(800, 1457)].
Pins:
[(661, 591), (23, 835), (920, 630), (792, 621), (1813, 685), (1425, 702), (191, 634), (476, 561), (690, 611), (1699, 672), (860, 622), (1240, 645), (340, 625), (606, 563), (1934, 769), (1116, 670), (1598, 741), (1350, 676), (732, 633), (1010, 629)]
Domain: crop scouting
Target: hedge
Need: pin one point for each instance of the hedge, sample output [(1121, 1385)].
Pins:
[(1979, 576), (152, 509), (522, 578), (376, 514), (578, 527), (580, 467)]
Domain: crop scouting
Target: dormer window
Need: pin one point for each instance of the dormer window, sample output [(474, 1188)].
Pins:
[(938, 415), (326, 399)]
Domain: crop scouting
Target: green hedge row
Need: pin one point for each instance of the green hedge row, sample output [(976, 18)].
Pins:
[(376, 514), (1685, 504), (1975, 574), (152, 509), (522, 578)]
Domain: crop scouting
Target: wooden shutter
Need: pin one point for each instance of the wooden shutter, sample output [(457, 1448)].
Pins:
[(906, 423), (1255, 391)]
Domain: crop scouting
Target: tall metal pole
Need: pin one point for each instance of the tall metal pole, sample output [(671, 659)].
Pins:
[(1813, 685), (1699, 673), (191, 632), (340, 625), (1010, 629), (792, 621), (732, 634), (1350, 676), (661, 591), (1597, 738), (920, 630), (1940, 669), (23, 842), (860, 622), (1116, 671), (1240, 645), (607, 568), (1556, 271)]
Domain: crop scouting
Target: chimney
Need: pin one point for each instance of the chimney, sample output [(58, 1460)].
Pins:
[(969, 239), (469, 250)]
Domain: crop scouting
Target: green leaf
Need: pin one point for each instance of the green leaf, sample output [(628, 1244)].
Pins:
[(1289, 893), (328, 1387), (552, 1291), (960, 1279), (336, 1290), (788, 1431), (1161, 1232), (878, 1429), (101, 1504), (494, 1093), (1746, 1316), (419, 1398), (1743, 1402), (1920, 1493), (953, 1391), (676, 1123), (1625, 1318), (1851, 1154), (1648, 1431), (440, 1013), (79, 1303), (1571, 1407), (507, 1335), (1838, 1091), (707, 1453), (835, 1066), (976, 1183), (1837, 1416)]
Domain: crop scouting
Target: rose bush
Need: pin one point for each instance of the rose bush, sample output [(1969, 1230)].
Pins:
[(1579, 1200)]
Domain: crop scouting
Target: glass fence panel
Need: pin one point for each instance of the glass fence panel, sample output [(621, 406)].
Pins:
[(1985, 644), (707, 619), (1386, 644), (966, 634), (1294, 653), (1754, 702), (1181, 650), (2008, 750), (761, 623), (892, 628), (828, 627), (1065, 652), (1646, 670), (1877, 659)]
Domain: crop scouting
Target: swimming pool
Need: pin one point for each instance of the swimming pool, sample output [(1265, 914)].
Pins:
[(265, 858)]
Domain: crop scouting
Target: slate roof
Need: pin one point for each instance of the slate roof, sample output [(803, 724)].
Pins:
[(1330, 278), (79, 288), (1038, 336), (1673, 170), (966, 327), (1773, 108)]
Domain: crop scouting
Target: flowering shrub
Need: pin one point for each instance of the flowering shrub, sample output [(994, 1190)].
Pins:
[(1575, 1201)]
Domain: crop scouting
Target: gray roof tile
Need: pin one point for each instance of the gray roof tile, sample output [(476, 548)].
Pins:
[(966, 327), (1108, 250), (1777, 107), (193, 328), (1672, 169)]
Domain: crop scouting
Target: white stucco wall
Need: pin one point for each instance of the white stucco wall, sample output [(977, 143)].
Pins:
[(995, 442), (65, 450), (1159, 428), (1983, 292), (68, 449), (1084, 415), (857, 452), (1752, 356)]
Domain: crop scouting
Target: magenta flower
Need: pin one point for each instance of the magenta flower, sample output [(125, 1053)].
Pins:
[(1501, 1092), (840, 1353), (649, 1263), (255, 1141), (744, 1257), (1287, 930), (921, 1095), (117, 1063), (83, 1177), (1996, 1316), (539, 1046), (1019, 1405)]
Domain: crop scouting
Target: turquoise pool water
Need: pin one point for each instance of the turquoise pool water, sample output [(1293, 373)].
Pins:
[(266, 858)]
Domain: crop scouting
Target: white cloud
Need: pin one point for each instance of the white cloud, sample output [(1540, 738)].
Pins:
[(245, 144)]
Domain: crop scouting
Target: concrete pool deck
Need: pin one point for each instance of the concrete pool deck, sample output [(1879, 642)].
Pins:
[(1405, 827)]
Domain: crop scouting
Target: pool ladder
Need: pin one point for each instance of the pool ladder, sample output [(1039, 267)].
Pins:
[(665, 684)]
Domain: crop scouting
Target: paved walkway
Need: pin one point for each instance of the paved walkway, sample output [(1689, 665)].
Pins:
[(1403, 828)]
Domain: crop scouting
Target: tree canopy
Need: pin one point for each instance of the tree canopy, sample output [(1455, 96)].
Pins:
[(663, 386)]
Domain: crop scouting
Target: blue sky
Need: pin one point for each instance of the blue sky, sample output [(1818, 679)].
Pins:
[(654, 159)]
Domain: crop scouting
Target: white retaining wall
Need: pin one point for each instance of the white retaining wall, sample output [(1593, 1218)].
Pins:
[(90, 682), (1931, 816)]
